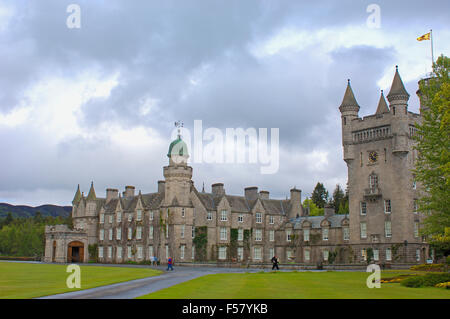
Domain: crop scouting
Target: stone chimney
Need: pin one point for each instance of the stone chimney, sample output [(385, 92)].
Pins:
[(111, 193), (264, 194), (251, 193), (161, 186), (129, 191), (328, 210), (217, 189), (296, 203)]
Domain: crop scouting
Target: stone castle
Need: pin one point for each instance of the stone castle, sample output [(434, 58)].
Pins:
[(194, 226)]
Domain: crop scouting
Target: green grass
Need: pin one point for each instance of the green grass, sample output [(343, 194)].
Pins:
[(294, 285), (21, 280)]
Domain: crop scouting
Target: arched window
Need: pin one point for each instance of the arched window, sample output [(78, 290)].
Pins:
[(373, 181)]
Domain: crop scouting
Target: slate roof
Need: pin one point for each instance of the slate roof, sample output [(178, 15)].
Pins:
[(397, 87), (335, 221)]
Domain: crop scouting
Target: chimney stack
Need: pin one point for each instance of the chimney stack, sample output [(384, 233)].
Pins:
[(129, 191), (111, 193), (161, 186), (217, 189), (264, 194), (296, 203), (328, 210), (251, 193)]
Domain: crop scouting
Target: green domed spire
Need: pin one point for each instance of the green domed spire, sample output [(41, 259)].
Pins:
[(178, 147)]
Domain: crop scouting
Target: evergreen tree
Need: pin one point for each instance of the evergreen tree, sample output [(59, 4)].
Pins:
[(319, 195), (338, 198)]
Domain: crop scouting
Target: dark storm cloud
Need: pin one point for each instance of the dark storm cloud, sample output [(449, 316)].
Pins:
[(193, 59)]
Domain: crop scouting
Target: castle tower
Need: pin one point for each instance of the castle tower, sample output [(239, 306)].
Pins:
[(349, 111), (378, 150)]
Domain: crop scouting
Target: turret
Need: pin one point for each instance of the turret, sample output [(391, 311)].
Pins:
[(77, 197), (349, 110), (382, 105), (91, 201), (398, 104)]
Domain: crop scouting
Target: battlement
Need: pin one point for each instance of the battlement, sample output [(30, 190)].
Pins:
[(371, 134)]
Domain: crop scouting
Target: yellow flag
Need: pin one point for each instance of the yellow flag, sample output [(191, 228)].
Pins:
[(424, 37)]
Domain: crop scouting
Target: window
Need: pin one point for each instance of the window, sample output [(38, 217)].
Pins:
[(118, 233), (110, 234), (139, 215), (258, 234), (209, 216), (289, 255), (110, 218), (271, 235), (182, 231), (414, 185), (223, 216), (139, 232), (240, 253), (257, 253), (182, 248), (102, 234), (416, 229), (151, 215), (241, 218), (130, 233), (193, 252), (223, 233), (417, 254), (288, 235), (240, 234), (258, 218), (388, 228), (271, 219), (222, 253), (307, 255), (387, 206), (306, 235), (376, 255), (102, 218), (363, 208), (100, 252), (183, 212), (346, 233), (415, 206), (167, 230), (150, 232), (150, 251), (373, 181), (130, 217), (119, 253), (167, 251), (129, 252), (363, 230), (388, 254), (119, 217), (325, 255), (325, 234), (193, 232)]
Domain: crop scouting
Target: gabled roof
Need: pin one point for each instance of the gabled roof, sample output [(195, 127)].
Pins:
[(397, 87), (382, 105)]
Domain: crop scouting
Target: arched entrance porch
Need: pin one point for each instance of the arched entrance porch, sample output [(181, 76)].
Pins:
[(75, 252)]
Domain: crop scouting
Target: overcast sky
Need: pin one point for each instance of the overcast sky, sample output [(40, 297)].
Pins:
[(98, 103)]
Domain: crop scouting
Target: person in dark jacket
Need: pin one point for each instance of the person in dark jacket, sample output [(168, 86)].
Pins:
[(275, 263)]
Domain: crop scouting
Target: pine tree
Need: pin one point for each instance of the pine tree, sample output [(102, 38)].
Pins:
[(319, 195)]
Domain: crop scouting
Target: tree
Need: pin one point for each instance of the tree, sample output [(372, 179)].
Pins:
[(338, 198), (432, 167), (319, 195), (312, 208)]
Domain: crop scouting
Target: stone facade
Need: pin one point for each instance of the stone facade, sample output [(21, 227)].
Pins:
[(194, 226)]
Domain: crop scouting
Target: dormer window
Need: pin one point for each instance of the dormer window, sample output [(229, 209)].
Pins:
[(139, 215), (258, 218), (119, 217), (102, 218)]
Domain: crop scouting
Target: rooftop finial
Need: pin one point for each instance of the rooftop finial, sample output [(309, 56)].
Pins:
[(348, 81), (396, 68), (179, 125)]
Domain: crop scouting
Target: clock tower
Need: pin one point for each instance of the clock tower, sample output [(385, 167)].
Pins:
[(379, 153)]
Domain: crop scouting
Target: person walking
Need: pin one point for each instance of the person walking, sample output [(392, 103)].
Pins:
[(169, 264), (275, 263)]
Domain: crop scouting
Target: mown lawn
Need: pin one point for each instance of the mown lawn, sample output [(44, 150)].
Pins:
[(294, 285), (21, 280)]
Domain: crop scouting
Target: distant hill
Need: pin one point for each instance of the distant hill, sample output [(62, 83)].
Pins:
[(28, 211)]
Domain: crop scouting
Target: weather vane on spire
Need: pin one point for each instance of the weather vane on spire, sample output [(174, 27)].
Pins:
[(179, 125)]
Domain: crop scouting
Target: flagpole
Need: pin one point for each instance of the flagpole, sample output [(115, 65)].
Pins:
[(432, 53)]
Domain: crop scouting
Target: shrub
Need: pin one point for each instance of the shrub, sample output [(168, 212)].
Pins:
[(428, 267), (447, 260), (443, 285), (428, 280)]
